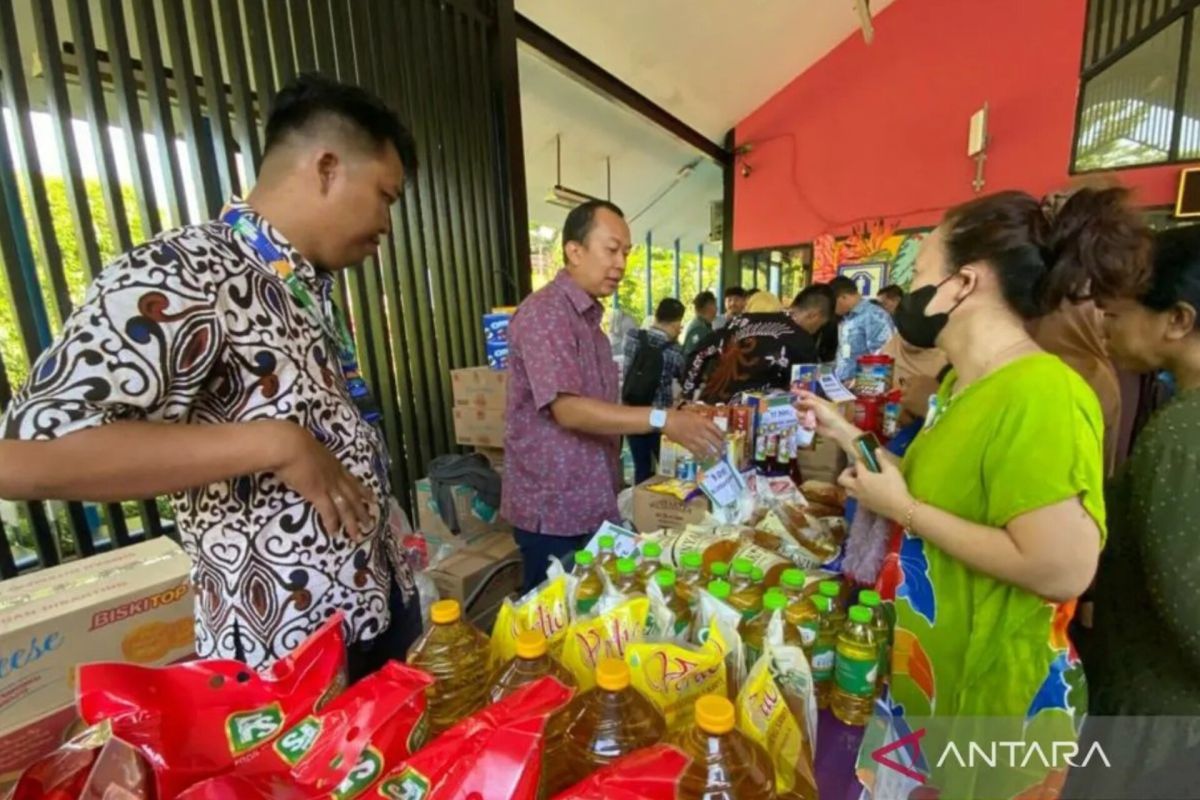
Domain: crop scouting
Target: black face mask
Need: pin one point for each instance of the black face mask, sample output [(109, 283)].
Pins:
[(912, 323)]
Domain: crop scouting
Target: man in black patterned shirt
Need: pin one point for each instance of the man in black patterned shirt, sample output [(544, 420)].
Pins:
[(211, 364)]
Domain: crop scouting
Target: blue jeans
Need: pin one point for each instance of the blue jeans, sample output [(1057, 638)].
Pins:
[(537, 548), (644, 449)]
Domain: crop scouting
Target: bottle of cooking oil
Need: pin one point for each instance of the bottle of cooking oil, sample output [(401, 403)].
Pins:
[(690, 577), (725, 764), (667, 582), (824, 651), (607, 560), (597, 727), (754, 631), (533, 661), (719, 569), (883, 633), (719, 589), (628, 581), (833, 590), (801, 614), (857, 668), (651, 562), (456, 654), (590, 586), (747, 596)]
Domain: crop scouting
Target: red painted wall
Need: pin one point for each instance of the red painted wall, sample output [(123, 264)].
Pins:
[(881, 130)]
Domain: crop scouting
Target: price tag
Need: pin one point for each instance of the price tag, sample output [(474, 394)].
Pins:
[(625, 541), (722, 484), (835, 391), (782, 415)]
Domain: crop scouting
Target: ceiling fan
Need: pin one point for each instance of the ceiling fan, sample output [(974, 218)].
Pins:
[(863, 8)]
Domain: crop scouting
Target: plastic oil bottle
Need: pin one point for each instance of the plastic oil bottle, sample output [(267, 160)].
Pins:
[(719, 570), (857, 668), (883, 633), (597, 727), (754, 631), (590, 586), (456, 654), (668, 582), (833, 590), (607, 560), (628, 580), (651, 561), (690, 577), (824, 651), (533, 661), (801, 614), (725, 764), (747, 596)]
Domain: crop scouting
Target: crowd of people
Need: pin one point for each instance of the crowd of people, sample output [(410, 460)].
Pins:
[(201, 365)]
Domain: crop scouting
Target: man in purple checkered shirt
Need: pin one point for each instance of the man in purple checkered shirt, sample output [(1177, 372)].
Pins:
[(562, 470)]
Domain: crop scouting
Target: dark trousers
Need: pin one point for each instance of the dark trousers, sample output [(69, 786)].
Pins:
[(537, 548), (363, 658), (644, 449)]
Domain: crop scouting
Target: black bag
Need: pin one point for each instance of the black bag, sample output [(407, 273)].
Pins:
[(644, 375)]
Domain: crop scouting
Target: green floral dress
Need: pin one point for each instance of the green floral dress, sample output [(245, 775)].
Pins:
[(975, 659)]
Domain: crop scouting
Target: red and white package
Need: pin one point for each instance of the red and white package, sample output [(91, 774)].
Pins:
[(92, 766), (648, 774)]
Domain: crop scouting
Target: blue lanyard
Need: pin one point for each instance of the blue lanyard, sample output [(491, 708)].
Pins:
[(335, 330)]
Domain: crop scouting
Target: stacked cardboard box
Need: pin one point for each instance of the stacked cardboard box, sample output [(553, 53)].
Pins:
[(654, 511), (132, 604), (480, 394), (475, 520), (458, 576)]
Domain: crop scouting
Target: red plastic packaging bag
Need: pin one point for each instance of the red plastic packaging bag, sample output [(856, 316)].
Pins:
[(495, 754), (340, 750), (91, 766), (648, 774), (197, 720)]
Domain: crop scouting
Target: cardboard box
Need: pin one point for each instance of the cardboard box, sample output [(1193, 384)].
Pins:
[(653, 511), (473, 516), (495, 457), (462, 573), (479, 387), (479, 427), (824, 461), (132, 604)]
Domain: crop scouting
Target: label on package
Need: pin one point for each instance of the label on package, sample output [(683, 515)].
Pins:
[(625, 541)]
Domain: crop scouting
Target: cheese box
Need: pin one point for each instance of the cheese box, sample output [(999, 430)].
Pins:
[(479, 387), (132, 604)]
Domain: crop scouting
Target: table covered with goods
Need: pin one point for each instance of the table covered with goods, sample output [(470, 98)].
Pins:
[(732, 656)]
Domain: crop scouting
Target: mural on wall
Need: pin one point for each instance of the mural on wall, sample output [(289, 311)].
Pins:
[(873, 255)]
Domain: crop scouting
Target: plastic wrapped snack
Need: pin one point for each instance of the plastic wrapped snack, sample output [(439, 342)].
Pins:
[(195, 720), (803, 538), (92, 765), (649, 774)]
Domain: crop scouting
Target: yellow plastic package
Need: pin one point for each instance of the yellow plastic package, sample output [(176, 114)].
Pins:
[(545, 609), (674, 676), (606, 635), (776, 708)]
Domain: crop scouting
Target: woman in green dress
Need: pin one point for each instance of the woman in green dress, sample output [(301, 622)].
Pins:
[(1143, 654), (999, 500)]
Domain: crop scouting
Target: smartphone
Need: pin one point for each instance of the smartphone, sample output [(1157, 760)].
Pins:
[(865, 447)]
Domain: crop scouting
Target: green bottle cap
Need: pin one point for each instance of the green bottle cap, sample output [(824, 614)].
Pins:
[(743, 566), (860, 614), (692, 560), (774, 600), (665, 578), (626, 566), (823, 603), (830, 588), (584, 558), (793, 578), (757, 574), (719, 569), (606, 542), (869, 598), (719, 589), (652, 550)]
